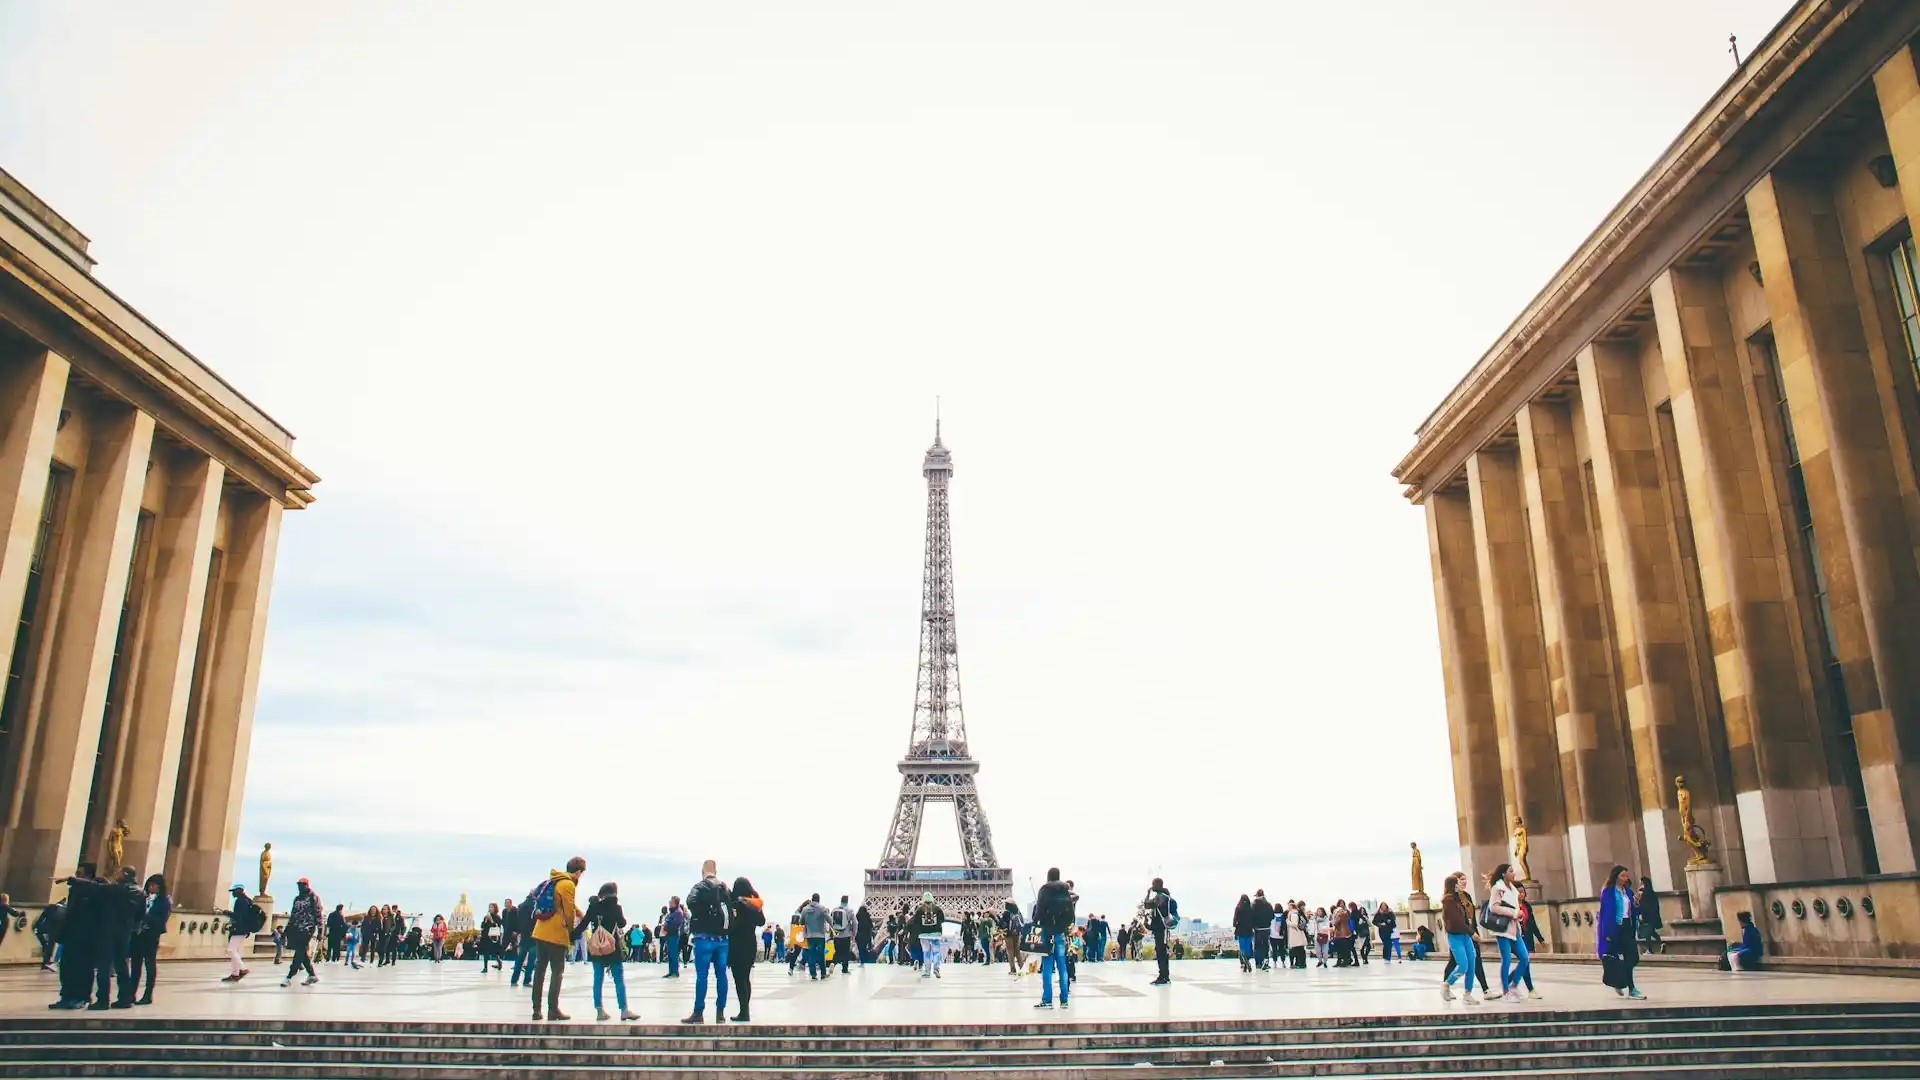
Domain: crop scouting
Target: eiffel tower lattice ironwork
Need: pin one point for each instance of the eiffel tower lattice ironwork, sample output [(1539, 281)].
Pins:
[(938, 767)]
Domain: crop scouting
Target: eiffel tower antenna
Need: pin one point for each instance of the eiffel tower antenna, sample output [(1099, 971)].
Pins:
[(937, 766)]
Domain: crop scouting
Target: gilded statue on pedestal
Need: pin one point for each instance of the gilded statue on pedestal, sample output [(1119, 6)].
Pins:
[(117, 848), (1520, 850), (1691, 833), (266, 869), (1419, 876)]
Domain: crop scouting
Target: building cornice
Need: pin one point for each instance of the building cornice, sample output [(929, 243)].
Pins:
[(128, 341), (1534, 345)]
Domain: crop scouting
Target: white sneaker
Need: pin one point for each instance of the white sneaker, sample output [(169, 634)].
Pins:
[(1446, 993), (1512, 995), (1533, 995), (1470, 999), (311, 979), (286, 982)]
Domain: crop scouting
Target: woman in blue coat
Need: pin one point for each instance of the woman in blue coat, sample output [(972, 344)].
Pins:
[(1615, 936)]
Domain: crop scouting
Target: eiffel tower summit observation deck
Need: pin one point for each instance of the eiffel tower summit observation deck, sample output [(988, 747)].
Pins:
[(938, 766)]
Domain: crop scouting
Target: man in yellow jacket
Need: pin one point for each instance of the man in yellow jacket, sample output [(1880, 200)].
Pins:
[(553, 935)]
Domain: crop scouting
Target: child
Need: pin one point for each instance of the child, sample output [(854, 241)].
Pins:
[(353, 945)]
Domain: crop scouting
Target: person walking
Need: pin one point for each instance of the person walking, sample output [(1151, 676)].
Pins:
[(1504, 919), (244, 920), (336, 932), (673, 925), (554, 913), (438, 935), (1473, 931), (744, 916), (492, 939), (46, 930), (1456, 920), (1163, 914), (1053, 910), (1619, 952), (707, 909), (863, 934), (815, 920), (1649, 921), (1387, 924), (1012, 929), (518, 931), (606, 950), (929, 926), (842, 920), (353, 944), (303, 921), (1243, 931)]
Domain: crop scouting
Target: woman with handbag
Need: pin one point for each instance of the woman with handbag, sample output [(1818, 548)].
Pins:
[(1616, 932), (606, 949), (744, 919), (1503, 918)]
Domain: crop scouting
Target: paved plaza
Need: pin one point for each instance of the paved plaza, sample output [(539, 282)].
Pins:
[(456, 992)]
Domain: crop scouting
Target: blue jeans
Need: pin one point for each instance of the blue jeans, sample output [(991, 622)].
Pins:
[(709, 950), (1245, 942), (1053, 964), (1461, 945), (619, 982), (670, 948), (1513, 954), (523, 962), (816, 956)]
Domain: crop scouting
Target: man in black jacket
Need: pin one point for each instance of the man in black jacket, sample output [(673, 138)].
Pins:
[(78, 931), (707, 924), (1262, 927), (1053, 910), (336, 932)]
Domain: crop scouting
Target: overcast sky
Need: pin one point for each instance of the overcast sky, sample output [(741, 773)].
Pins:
[(615, 331)]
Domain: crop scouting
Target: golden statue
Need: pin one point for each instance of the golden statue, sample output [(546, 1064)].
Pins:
[(1691, 834), (1520, 849), (1419, 876), (266, 868), (117, 848)]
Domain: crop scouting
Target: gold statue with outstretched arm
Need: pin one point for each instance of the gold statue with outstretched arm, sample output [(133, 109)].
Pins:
[(1691, 834)]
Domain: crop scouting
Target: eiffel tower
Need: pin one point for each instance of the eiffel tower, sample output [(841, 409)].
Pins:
[(938, 767)]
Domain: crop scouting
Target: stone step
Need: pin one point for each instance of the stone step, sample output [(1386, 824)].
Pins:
[(1168, 1054)]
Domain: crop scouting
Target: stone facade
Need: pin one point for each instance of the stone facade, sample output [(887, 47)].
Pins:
[(1674, 520), (141, 498)]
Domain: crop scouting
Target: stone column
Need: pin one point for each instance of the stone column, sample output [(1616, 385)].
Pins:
[(203, 864), (1523, 712), (1464, 665), (157, 708), (1650, 628), (1594, 760), (30, 397), (42, 837), (1792, 813), (1847, 460), (1898, 88)]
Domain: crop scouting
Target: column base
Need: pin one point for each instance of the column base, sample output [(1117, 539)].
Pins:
[(1419, 902), (1536, 892)]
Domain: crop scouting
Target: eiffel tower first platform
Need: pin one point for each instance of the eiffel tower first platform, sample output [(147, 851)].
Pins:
[(938, 767)]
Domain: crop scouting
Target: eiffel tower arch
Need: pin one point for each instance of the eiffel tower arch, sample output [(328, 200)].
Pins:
[(938, 766)]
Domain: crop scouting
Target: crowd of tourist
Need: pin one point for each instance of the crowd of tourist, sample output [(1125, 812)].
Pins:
[(105, 935)]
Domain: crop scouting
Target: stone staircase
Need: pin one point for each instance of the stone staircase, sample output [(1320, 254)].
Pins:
[(1774, 1042)]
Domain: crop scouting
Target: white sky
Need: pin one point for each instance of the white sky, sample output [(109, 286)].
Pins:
[(615, 332)]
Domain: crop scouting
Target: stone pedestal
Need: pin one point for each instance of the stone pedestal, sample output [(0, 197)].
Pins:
[(1419, 902), (1702, 879), (1536, 892)]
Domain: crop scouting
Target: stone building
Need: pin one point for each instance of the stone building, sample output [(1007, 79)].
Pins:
[(142, 498), (1673, 517)]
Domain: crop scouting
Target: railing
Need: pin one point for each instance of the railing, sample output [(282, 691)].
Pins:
[(910, 875)]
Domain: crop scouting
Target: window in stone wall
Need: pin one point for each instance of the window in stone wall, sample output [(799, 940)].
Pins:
[(1904, 269), (1799, 512)]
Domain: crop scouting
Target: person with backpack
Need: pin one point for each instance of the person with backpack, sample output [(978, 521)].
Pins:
[(303, 921), (707, 904), (554, 919), (1163, 914), (1053, 910), (602, 925), (842, 920), (244, 920), (1012, 928), (673, 923)]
